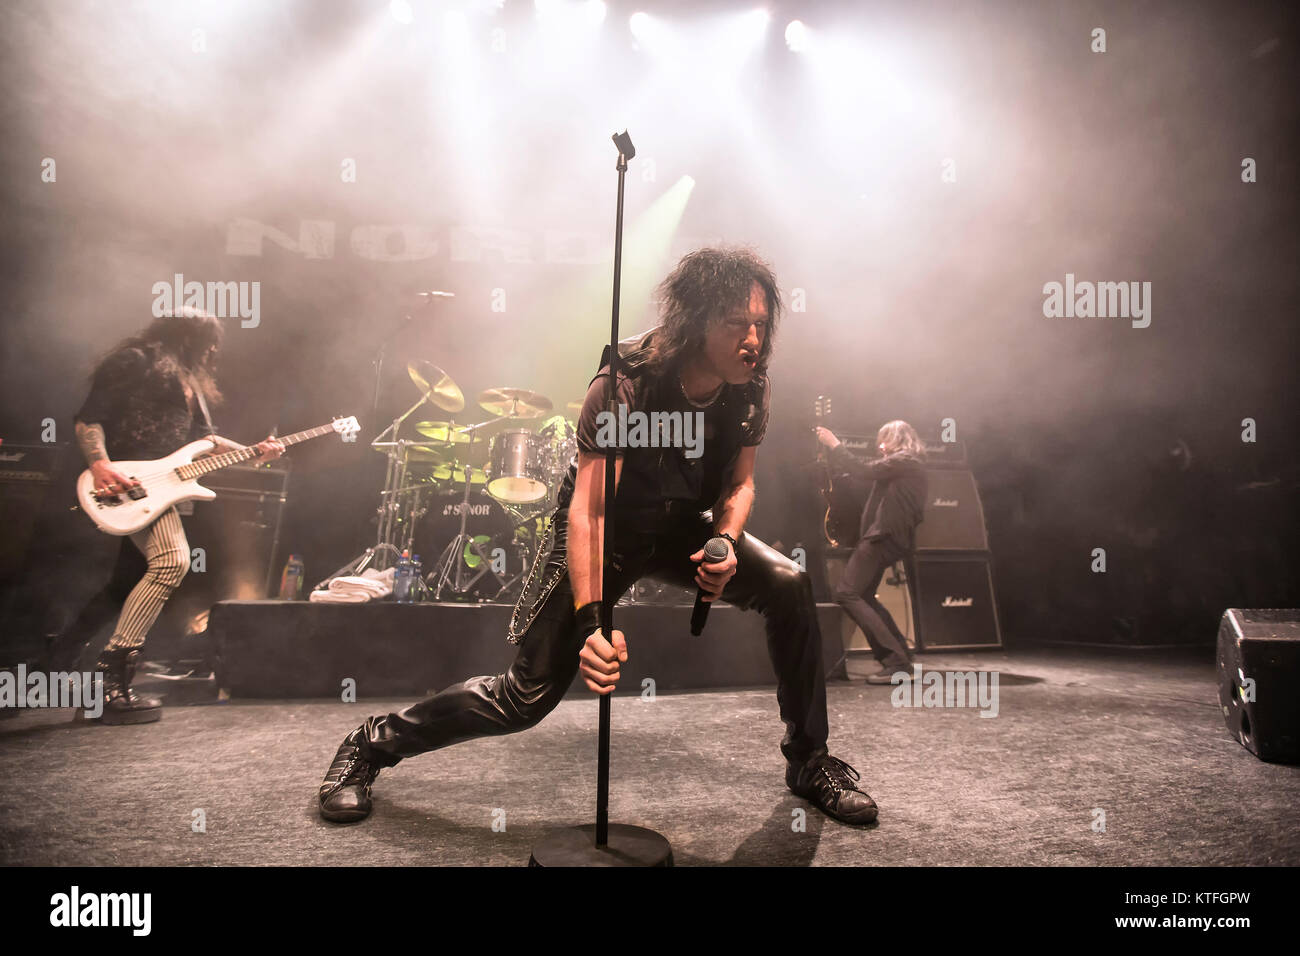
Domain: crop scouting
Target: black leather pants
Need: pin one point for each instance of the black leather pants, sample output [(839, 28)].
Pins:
[(765, 581)]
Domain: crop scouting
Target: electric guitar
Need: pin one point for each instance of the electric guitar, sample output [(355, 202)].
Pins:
[(844, 497), (163, 482)]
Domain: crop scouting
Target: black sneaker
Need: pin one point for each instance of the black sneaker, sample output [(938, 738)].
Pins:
[(345, 791), (830, 785)]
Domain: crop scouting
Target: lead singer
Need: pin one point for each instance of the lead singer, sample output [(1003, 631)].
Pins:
[(720, 309)]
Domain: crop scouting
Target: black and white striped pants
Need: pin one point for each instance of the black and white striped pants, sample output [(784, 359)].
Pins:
[(167, 551), (149, 567)]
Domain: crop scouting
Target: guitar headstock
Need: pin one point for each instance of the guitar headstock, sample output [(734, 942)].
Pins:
[(347, 427), (822, 409)]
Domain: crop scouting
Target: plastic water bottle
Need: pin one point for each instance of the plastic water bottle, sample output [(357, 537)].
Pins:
[(402, 579), (417, 576), (291, 579)]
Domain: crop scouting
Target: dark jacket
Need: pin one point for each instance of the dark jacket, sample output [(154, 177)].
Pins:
[(896, 504)]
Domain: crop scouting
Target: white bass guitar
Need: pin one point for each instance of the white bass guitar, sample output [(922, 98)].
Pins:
[(163, 482)]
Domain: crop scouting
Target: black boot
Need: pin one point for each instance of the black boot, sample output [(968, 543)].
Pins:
[(830, 785), (345, 791), (121, 704)]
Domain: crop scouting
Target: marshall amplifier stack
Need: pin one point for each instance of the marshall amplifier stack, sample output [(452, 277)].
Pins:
[(239, 534), (952, 602), (955, 607), (26, 475)]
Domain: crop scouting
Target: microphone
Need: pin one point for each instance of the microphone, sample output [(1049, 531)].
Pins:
[(715, 550), (436, 294)]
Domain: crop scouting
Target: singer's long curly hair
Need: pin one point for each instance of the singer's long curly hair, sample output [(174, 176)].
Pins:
[(706, 286)]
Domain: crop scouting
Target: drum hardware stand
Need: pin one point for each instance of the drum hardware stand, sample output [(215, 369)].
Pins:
[(383, 547), (527, 552), (385, 552), (452, 556)]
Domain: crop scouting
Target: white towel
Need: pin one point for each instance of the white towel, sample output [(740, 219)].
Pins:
[(369, 585)]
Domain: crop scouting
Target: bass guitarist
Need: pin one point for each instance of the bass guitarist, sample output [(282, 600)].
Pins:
[(148, 396)]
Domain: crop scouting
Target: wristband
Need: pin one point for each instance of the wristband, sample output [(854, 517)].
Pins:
[(735, 545), (587, 618)]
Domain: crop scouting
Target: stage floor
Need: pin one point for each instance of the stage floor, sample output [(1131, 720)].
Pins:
[(1134, 734)]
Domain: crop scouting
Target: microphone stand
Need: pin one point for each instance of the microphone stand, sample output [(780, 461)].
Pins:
[(601, 844)]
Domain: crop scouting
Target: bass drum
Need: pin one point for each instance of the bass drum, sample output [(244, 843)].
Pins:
[(487, 523)]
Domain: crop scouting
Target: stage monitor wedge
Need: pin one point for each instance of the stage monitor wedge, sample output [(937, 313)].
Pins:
[(1259, 667)]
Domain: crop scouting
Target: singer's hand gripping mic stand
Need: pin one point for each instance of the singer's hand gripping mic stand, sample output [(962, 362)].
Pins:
[(603, 844)]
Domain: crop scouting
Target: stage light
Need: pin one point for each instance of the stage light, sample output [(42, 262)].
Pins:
[(653, 36), (648, 244), (570, 13), (746, 32), (796, 36), (401, 11), (455, 29)]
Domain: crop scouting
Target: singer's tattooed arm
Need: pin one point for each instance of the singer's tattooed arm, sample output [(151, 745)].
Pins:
[(91, 440)]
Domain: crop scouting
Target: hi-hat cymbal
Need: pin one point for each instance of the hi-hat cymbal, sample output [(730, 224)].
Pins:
[(514, 402), (437, 384), (430, 451), (443, 432)]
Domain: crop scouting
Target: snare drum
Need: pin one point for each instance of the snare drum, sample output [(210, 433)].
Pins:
[(517, 467)]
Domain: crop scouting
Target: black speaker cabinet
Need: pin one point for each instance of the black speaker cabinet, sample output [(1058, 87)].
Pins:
[(1259, 668), (238, 535), (945, 454), (954, 517), (954, 602), (26, 474)]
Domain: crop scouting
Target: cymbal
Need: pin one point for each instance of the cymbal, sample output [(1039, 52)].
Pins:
[(455, 472), (574, 409), (514, 402), (437, 384), (430, 452), (443, 432)]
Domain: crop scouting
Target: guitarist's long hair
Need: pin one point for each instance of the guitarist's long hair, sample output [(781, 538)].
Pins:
[(191, 338), (707, 285), (898, 436)]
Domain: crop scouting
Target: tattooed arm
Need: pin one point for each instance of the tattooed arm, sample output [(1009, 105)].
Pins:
[(91, 440), (108, 480)]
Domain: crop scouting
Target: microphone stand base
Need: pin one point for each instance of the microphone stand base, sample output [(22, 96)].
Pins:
[(627, 846)]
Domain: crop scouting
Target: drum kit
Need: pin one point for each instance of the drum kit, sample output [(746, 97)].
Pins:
[(469, 496)]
